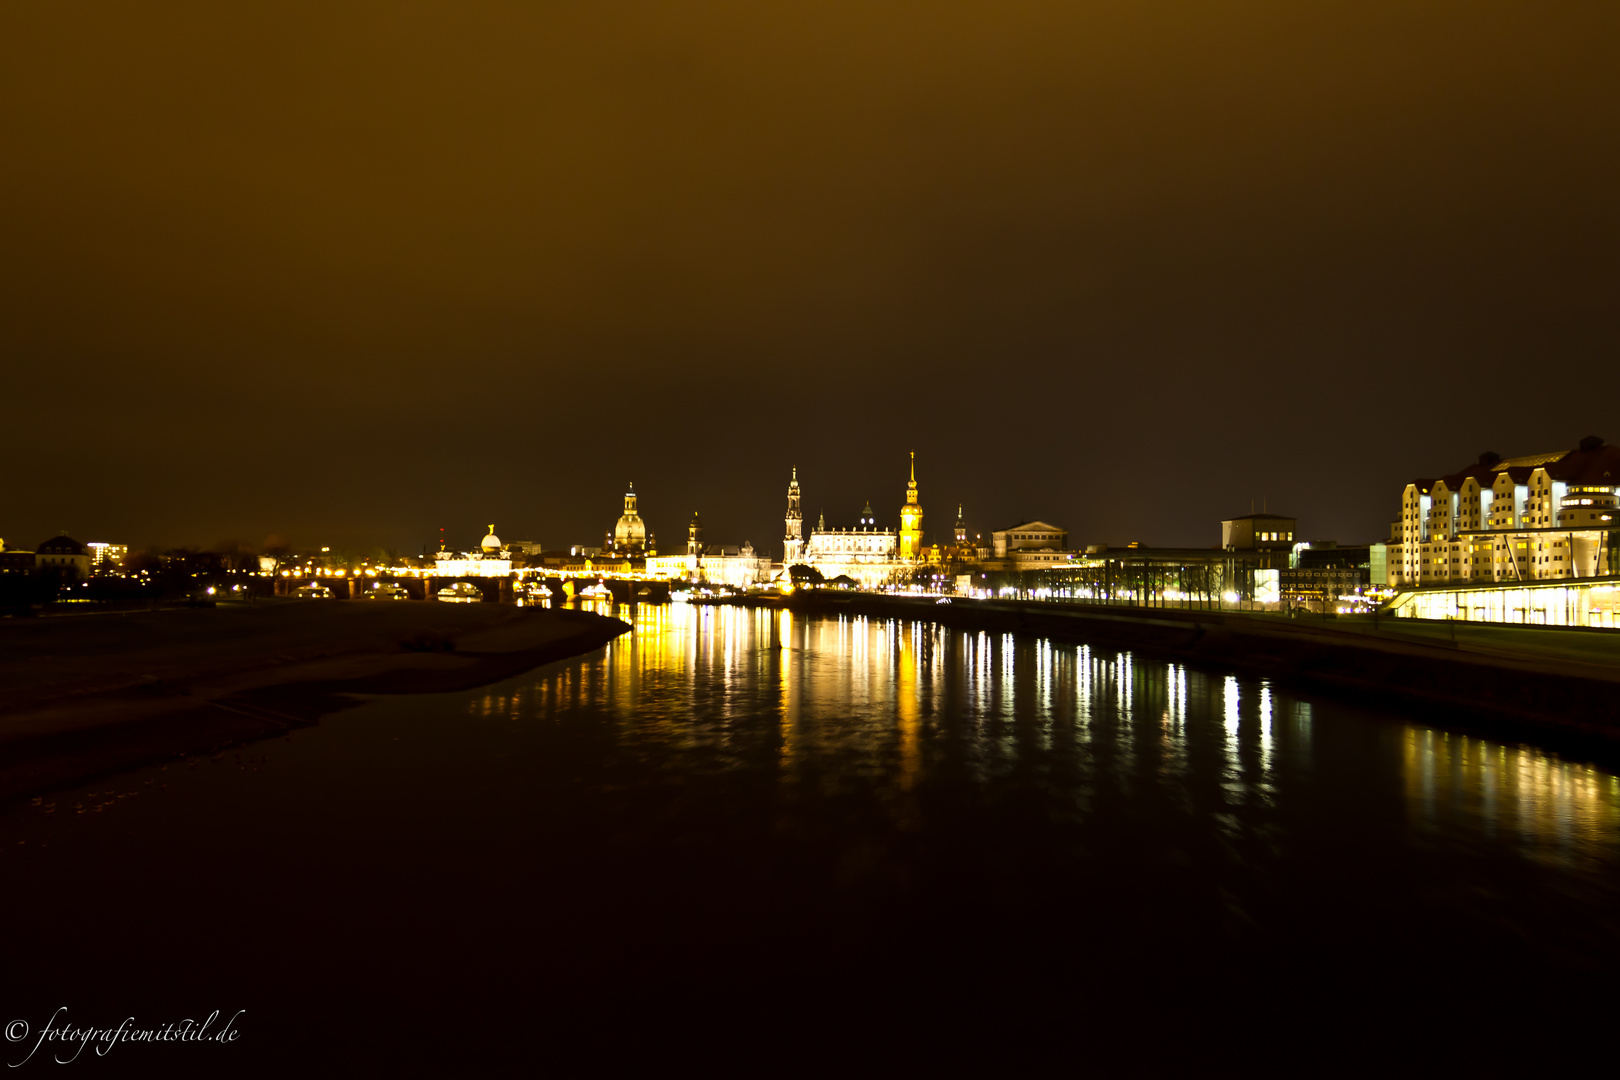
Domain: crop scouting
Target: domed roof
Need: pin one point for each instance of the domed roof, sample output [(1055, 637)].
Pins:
[(630, 527), (630, 535), (490, 542)]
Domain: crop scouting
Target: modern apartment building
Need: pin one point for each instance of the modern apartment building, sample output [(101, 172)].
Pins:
[(1541, 517)]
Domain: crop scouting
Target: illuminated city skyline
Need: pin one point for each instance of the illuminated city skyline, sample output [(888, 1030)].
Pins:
[(1119, 268)]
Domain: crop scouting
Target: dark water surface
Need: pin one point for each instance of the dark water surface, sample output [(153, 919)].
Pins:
[(751, 842)]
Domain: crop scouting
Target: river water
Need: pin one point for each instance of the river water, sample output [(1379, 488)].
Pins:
[(757, 841)]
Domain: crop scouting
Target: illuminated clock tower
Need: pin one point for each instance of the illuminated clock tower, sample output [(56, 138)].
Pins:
[(911, 515)]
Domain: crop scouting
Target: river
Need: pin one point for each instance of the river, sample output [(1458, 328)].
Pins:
[(757, 841)]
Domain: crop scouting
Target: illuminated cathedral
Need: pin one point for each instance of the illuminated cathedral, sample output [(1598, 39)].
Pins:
[(869, 555)]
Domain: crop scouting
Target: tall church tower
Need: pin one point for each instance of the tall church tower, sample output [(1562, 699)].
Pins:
[(694, 535), (961, 528), (793, 540), (911, 515)]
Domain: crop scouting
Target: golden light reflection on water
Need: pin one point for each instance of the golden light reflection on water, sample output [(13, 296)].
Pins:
[(1557, 810), (908, 710), (854, 696)]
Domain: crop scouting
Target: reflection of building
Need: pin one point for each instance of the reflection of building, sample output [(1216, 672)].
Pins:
[(63, 555), (630, 535), (490, 560), (1536, 518)]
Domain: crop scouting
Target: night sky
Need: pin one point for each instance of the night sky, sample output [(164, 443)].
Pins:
[(348, 277)]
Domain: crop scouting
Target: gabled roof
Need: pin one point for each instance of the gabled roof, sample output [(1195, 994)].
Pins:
[(1519, 474), (1036, 526), (1600, 465), (1484, 475)]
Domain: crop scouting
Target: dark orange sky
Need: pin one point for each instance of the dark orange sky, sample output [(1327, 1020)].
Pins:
[(351, 276)]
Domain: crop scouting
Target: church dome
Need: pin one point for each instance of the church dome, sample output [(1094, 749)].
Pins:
[(630, 535), (630, 529), (490, 542)]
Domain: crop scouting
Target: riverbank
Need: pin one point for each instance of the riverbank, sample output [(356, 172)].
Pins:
[(1555, 684), (88, 695)]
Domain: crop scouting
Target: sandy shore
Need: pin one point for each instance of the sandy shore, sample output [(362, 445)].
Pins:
[(81, 696)]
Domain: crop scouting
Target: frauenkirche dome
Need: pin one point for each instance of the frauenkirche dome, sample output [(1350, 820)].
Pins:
[(630, 535)]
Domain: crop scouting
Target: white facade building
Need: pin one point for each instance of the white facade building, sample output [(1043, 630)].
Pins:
[(1543, 517), (490, 560), (63, 555)]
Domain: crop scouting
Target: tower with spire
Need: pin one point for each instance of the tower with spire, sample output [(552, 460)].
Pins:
[(911, 515), (793, 538), (694, 536), (960, 528)]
